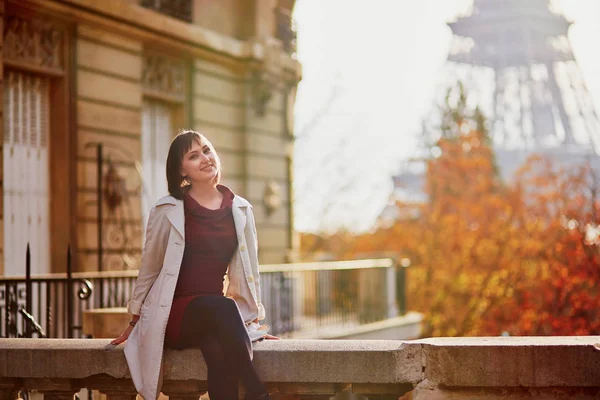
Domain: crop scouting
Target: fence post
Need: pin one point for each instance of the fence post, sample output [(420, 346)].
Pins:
[(28, 290), (390, 281), (100, 166), (69, 294), (401, 266)]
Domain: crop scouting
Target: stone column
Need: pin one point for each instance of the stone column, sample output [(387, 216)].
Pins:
[(55, 388), (184, 390), (114, 389), (8, 394), (9, 388), (120, 395), (59, 394), (311, 391), (382, 391)]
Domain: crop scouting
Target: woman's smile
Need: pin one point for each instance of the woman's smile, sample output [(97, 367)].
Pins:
[(200, 163)]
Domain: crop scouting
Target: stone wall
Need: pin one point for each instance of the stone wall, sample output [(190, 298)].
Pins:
[(109, 111), (254, 147), (235, 86), (441, 368)]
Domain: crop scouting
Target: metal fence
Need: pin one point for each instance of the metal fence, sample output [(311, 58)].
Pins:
[(297, 297), (311, 297), (52, 305)]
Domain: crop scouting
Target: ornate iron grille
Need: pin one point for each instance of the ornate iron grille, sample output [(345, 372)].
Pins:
[(180, 9), (286, 30)]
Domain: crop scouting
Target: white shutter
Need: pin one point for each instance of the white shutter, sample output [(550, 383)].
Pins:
[(157, 132), (162, 141), (147, 133), (26, 173)]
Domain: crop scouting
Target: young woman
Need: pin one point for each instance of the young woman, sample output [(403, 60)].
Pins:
[(200, 242)]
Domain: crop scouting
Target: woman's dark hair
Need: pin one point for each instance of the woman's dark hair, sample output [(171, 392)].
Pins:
[(182, 143)]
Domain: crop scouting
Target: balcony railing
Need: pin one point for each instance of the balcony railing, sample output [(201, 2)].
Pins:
[(556, 368), (180, 9), (310, 297), (286, 31)]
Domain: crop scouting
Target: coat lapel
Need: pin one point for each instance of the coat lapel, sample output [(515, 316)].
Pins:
[(177, 218), (239, 219)]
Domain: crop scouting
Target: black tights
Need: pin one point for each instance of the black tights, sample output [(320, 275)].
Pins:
[(214, 324)]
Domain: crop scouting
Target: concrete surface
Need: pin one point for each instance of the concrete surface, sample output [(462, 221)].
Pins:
[(441, 368)]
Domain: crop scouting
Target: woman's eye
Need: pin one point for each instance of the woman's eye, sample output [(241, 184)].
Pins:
[(193, 156), (206, 151)]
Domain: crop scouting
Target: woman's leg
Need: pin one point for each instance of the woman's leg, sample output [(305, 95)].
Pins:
[(222, 317), (222, 384), (196, 331)]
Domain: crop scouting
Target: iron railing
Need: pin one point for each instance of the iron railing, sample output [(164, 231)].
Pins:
[(285, 29), (321, 296), (52, 305), (180, 9), (305, 297)]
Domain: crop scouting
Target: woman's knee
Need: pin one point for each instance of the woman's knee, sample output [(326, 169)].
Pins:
[(229, 304)]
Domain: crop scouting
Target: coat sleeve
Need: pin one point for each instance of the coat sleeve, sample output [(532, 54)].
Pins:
[(255, 272), (153, 254)]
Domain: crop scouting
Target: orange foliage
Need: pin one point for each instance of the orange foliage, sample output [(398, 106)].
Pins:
[(487, 257)]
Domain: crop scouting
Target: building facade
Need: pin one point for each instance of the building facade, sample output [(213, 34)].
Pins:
[(93, 93)]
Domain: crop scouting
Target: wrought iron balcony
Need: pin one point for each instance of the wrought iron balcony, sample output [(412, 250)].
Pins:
[(180, 9), (325, 299), (286, 31)]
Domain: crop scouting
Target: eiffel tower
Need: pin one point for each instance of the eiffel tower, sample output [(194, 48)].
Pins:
[(516, 63), (516, 57)]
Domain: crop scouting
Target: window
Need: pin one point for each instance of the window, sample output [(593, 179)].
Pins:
[(26, 171), (157, 133)]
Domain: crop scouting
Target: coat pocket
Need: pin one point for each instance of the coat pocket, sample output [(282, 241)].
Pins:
[(144, 321)]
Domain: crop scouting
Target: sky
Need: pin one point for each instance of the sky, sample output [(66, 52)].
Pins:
[(369, 78)]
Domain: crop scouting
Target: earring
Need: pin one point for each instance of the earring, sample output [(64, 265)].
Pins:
[(185, 182)]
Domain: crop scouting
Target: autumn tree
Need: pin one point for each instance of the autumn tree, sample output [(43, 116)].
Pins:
[(490, 257), (557, 293)]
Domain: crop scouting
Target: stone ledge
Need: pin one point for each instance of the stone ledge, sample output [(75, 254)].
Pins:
[(277, 361), (441, 368), (513, 361)]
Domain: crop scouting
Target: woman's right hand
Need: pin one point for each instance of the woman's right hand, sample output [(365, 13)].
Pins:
[(126, 332)]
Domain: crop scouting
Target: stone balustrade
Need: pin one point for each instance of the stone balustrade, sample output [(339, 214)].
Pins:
[(441, 368)]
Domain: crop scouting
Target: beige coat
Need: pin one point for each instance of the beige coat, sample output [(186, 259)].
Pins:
[(155, 286)]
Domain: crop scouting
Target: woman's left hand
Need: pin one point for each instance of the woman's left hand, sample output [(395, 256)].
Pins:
[(267, 336), (271, 337)]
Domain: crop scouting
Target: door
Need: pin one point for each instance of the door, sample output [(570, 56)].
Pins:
[(157, 133), (26, 173)]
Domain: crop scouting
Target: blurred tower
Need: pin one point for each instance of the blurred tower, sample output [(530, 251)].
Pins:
[(538, 96), (516, 63)]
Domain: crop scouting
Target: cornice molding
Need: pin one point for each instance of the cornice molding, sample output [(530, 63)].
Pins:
[(33, 43), (152, 28)]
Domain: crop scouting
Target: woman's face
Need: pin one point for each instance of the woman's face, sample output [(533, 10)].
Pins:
[(200, 164)]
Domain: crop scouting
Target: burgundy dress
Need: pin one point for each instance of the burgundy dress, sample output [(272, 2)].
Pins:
[(210, 242)]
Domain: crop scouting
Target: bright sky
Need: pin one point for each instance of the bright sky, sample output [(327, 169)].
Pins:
[(369, 74)]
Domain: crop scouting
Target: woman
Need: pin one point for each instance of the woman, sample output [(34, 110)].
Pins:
[(197, 236)]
